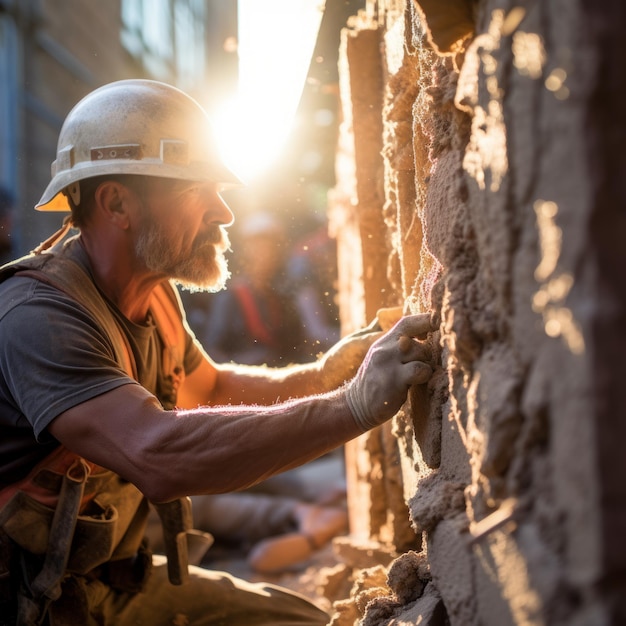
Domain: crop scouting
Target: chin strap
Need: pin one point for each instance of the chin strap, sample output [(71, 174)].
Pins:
[(48, 243)]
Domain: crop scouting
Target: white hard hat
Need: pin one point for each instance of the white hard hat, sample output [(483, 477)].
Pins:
[(134, 127)]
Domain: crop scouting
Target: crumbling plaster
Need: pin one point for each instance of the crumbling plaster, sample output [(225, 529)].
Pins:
[(484, 492)]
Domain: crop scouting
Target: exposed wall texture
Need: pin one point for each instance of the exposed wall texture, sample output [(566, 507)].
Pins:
[(481, 178)]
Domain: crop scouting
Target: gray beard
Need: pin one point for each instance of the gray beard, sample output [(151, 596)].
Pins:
[(206, 269)]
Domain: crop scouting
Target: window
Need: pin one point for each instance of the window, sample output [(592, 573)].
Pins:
[(168, 36), (9, 97)]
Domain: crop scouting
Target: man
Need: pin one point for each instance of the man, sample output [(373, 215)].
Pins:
[(107, 402)]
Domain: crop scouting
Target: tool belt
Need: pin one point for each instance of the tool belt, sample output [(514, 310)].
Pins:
[(70, 522), (21, 606), (94, 529)]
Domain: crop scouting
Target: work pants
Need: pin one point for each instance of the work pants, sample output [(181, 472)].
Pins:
[(208, 598)]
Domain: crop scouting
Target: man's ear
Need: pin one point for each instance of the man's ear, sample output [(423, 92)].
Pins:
[(113, 201)]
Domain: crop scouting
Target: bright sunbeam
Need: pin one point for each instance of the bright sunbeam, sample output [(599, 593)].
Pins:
[(276, 42)]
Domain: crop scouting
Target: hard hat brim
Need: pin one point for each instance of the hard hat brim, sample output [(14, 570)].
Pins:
[(53, 198)]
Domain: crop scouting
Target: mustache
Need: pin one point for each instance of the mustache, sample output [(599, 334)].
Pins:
[(215, 236)]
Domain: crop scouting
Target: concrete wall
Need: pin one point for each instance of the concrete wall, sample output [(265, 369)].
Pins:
[(479, 179)]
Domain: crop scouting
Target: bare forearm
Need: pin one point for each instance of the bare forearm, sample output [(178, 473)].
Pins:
[(224, 384), (168, 454), (263, 385), (236, 447)]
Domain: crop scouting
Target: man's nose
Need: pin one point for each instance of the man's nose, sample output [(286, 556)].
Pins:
[(217, 211)]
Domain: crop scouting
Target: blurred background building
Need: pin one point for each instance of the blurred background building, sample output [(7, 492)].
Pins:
[(53, 52)]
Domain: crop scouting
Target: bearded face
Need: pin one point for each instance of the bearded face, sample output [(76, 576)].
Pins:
[(202, 266)]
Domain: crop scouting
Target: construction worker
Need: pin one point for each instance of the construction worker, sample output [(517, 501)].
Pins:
[(108, 404)]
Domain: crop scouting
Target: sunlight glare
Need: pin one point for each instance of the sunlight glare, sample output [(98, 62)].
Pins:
[(276, 42)]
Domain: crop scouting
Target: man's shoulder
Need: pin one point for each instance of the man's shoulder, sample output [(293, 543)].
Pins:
[(35, 287), (19, 290), (60, 275), (26, 303)]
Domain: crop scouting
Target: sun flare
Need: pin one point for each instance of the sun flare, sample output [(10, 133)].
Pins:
[(276, 42)]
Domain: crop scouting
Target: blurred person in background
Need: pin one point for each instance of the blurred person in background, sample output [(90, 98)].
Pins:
[(312, 272), (256, 321)]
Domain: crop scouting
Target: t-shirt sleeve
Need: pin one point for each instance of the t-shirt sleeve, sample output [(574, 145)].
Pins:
[(54, 357)]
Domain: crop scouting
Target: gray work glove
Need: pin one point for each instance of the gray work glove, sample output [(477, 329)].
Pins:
[(395, 361), (342, 360)]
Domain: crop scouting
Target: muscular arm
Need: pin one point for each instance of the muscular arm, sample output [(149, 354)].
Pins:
[(168, 454), (212, 384)]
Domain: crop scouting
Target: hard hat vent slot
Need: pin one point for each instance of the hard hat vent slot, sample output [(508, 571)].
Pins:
[(64, 160), (174, 151), (107, 153)]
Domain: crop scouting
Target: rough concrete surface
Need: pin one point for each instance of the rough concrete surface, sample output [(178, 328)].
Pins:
[(500, 177)]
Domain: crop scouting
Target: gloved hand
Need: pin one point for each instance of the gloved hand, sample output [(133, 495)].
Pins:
[(393, 363), (342, 360)]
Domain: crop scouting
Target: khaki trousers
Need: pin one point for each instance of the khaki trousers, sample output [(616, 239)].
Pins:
[(208, 598)]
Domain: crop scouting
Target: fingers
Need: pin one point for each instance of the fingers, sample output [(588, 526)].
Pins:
[(416, 325), (421, 373), (413, 350), (415, 373), (415, 354), (405, 344)]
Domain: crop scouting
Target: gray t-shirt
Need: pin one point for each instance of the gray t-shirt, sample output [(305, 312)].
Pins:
[(54, 356)]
